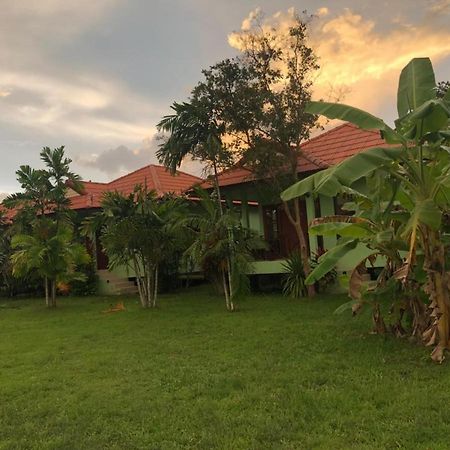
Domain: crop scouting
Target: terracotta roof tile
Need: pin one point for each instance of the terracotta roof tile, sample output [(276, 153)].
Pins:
[(319, 152), (153, 176)]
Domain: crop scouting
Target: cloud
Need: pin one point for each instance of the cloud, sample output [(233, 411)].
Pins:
[(29, 28), (68, 99), (86, 106), (122, 159), (439, 7), (361, 58)]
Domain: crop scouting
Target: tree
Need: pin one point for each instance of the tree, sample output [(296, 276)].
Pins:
[(51, 252), (44, 191), (417, 168), (259, 100), (194, 131), (222, 247), (139, 231)]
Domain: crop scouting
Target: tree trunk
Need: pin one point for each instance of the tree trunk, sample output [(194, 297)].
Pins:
[(155, 288), (438, 290), (229, 283), (217, 188), (303, 247), (150, 287), (53, 293), (47, 297), (230, 286), (225, 290), (139, 284)]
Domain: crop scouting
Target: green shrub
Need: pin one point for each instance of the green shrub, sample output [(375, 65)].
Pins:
[(89, 286), (294, 279)]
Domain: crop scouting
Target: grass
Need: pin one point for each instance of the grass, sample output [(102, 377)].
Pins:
[(278, 374)]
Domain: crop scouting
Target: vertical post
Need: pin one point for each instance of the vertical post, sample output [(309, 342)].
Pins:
[(327, 209), (310, 215)]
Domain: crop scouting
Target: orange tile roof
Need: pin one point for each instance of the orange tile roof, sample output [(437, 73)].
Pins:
[(153, 176), (319, 152), (337, 144)]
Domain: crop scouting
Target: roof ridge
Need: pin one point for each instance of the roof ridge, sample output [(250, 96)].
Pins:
[(155, 177), (94, 182), (129, 173), (181, 172), (342, 125), (155, 166)]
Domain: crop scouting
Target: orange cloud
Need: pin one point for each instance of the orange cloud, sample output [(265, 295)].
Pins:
[(359, 58)]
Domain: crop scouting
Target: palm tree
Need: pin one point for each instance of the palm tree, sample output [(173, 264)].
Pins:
[(194, 131), (51, 252), (222, 247), (44, 190), (138, 231), (36, 190)]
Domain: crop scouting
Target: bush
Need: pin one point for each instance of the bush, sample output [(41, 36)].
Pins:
[(294, 279), (89, 286)]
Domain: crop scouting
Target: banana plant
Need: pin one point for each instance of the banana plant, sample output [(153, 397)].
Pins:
[(416, 159)]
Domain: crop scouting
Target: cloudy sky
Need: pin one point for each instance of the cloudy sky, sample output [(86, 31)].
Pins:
[(98, 75)]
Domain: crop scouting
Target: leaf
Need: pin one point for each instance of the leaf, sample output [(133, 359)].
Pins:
[(364, 163), (355, 227), (424, 212), (329, 260), (361, 118), (328, 182), (430, 117), (416, 85), (322, 181), (345, 307)]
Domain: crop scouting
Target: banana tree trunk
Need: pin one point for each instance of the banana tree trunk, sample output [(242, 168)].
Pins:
[(438, 290)]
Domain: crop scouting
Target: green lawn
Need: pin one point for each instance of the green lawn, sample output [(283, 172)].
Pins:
[(278, 374)]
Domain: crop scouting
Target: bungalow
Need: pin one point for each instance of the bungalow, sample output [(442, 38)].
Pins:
[(259, 211), (269, 219), (155, 178)]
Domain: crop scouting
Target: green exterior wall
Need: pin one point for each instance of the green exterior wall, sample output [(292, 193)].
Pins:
[(252, 217)]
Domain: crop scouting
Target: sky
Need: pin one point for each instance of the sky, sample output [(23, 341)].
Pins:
[(96, 76)]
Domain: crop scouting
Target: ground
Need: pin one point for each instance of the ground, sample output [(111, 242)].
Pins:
[(278, 374)]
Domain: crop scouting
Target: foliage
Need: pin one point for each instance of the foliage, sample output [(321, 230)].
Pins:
[(88, 285), (222, 247), (294, 280), (329, 279), (193, 130), (50, 252), (401, 195), (42, 232), (139, 231), (442, 88), (45, 190), (251, 108), (259, 97)]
